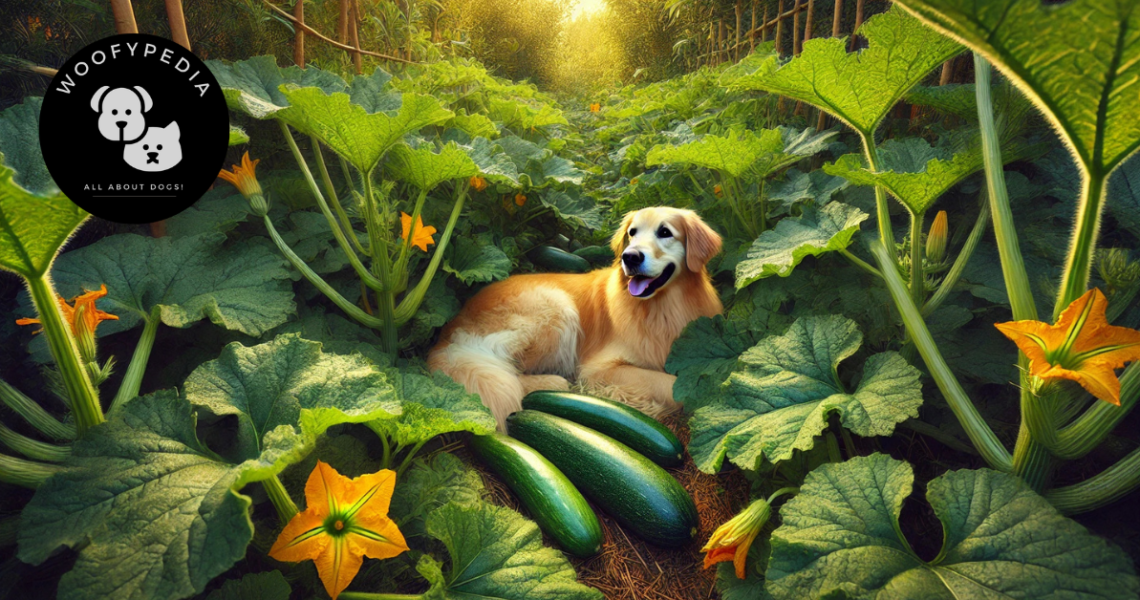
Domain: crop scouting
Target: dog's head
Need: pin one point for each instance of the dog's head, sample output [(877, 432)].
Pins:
[(654, 245), (158, 150), (121, 112)]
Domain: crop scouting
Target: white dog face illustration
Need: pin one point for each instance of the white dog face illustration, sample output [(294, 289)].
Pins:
[(121, 112), (158, 150)]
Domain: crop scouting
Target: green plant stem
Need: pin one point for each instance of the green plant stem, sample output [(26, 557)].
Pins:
[(330, 189), (1087, 431), (833, 453), (9, 530), (386, 460), (1074, 283), (286, 508), (81, 393), (341, 240), (960, 261), (917, 285), (408, 458), (411, 301), (25, 473), (405, 248), (349, 308), (858, 262), (784, 491), (1099, 490), (132, 380), (370, 596), (980, 434), (883, 210), (34, 414), (382, 267), (33, 449)]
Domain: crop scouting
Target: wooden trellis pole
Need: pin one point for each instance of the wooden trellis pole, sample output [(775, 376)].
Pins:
[(796, 31), (809, 22), (124, 16), (764, 27), (177, 21), (947, 72), (354, 21), (342, 22), (858, 22), (299, 36), (836, 27), (779, 25), (310, 32), (720, 41), (739, 13), (752, 38)]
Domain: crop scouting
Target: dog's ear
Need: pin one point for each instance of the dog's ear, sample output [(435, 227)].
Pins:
[(621, 236), (98, 97), (147, 102), (701, 242), (172, 129)]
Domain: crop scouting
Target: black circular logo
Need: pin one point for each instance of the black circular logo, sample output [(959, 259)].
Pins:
[(134, 128)]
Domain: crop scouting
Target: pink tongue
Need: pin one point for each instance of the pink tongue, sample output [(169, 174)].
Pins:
[(637, 285)]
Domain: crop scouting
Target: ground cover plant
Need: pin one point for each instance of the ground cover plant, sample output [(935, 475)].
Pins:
[(921, 385)]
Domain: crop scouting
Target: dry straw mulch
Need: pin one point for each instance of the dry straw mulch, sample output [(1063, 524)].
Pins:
[(630, 569)]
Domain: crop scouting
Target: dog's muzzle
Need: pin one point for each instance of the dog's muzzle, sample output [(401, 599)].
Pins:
[(643, 286), (151, 157)]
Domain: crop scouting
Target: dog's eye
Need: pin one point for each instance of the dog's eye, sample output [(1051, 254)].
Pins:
[(114, 111), (158, 147), (633, 232), (128, 111), (146, 147), (664, 232)]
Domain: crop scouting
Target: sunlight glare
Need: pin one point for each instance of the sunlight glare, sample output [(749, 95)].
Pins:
[(587, 7)]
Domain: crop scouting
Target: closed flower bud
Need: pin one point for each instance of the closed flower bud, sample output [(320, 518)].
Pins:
[(936, 239)]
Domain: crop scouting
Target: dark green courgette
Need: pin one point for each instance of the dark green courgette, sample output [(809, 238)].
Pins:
[(619, 421), (554, 503), (640, 495), (559, 261), (599, 256)]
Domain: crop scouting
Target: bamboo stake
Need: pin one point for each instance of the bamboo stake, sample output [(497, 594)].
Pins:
[(796, 43), (808, 23), (752, 38), (720, 50), (299, 37), (124, 16), (947, 72), (836, 27), (739, 12), (779, 38), (764, 27), (354, 21), (177, 20), (314, 33), (342, 22), (858, 22)]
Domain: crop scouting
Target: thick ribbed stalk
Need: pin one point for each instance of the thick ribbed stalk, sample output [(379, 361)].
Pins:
[(411, 301), (1075, 281), (1087, 432), (34, 414), (383, 269), (979, 432), (351, 309), (82, 395), (400, 270), (917, 287), (883, 210), (1099, 490), (354, 260), (286, 508), (25, 473), (132, 380), (333, 199), (959, 265), (33, 449), (858, 262)]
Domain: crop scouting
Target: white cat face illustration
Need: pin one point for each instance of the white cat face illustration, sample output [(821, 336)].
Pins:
[(158, 150)]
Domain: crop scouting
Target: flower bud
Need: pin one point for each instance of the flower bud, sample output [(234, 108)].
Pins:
[(1116, 269), (936, 239), (84, 334), (258, 204), (478, 183)]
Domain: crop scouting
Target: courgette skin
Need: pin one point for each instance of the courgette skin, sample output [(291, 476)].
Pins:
[(554, 503), (599, 256), (619, 421), (640, 495), (557, 260)]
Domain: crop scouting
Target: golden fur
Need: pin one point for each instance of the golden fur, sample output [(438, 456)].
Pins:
[(540, 331)]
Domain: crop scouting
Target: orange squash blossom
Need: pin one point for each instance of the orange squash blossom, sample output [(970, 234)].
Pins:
[(91, 316), (731, 541), (520, 199), (478, 183), (1081, 346), (422, 237), (242, 176), (344, 521)]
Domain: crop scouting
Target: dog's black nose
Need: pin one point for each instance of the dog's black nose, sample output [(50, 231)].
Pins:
[(121, 124), (632, 258), (152, 157)]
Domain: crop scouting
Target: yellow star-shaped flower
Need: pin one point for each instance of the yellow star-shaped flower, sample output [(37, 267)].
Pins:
[(422, 236), (243, 177), (1081, 346), (731, 541), (344, 521)]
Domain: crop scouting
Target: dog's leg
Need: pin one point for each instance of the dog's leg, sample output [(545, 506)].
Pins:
[(647, 390), (534, 383)]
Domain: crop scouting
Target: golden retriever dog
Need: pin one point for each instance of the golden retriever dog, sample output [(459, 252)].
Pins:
[(609, 330)]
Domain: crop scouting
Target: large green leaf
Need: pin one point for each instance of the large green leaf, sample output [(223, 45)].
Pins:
[(574, 207), (432, 405), (152, 512), (815, 186), (538, 166), (818, 230), (361, 138), (244, 287), (33, 228), (1124, 196), (253, 86), (270, 585), (497, 554), (220, 209), (426, 169), (1077, 61), (731, 155), (494, 164), (473, 262), (840, 538), (859, 87), (430, 484), (20, 145), (290, 382), (779, 398)]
